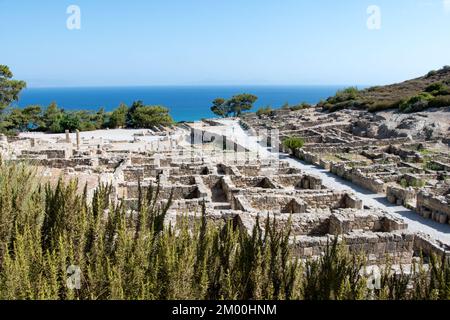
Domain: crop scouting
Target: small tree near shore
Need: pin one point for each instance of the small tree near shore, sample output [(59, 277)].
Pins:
[(293, 143), (234, 106)]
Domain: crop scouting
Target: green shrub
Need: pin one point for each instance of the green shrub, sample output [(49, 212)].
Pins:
[(264, 111), (435, 87), (416, 183), (351, 93), (133, 255), (440, 102), (416, 103), (433, 166), (350, 104), (374, 88), (384, 105), (293, 143), (300, 106), (285, 106), (438, 89), (431, 73)]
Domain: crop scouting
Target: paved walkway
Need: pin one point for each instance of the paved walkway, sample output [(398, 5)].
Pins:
[(416, 223)]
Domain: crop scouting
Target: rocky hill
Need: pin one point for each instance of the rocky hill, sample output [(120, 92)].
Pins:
[(429, 91)]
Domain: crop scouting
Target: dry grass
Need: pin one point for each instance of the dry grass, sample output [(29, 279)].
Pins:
[(391, 96)]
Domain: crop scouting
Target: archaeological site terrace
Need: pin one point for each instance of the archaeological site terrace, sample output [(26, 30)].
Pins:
[(237, 170)]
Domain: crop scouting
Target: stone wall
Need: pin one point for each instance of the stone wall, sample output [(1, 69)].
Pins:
[(377, 247), (356, 176), (400, 196), (276, 203), (424, 245), (433, 207), (49, 153), (347, 221), (178, 192)]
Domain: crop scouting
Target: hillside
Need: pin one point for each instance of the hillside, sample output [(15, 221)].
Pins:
[(429, 91)]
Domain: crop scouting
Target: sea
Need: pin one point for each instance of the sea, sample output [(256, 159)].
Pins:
[(186, 103)]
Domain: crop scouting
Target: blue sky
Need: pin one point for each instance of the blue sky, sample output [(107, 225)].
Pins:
[(232, 42)]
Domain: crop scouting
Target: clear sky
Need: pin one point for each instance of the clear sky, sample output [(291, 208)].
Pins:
[(233, 42)]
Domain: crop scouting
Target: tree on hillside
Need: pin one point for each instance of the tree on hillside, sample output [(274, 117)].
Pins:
[(241, 102), (99, 118), (234, 106), (118, 117), (141, 116), (69, 121), (52, 117), (134, 106), (9, 89), (220, 108), (16, 119), (33, 116)]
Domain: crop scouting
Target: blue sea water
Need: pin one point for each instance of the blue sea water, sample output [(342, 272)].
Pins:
[(186, 103)]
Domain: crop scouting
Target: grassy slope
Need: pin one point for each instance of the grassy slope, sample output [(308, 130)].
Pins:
[(389, 96)]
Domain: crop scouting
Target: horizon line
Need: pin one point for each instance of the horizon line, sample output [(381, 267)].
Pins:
[(197, 85)]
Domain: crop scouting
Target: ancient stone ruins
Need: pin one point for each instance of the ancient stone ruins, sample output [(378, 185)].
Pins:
[(234, 169)]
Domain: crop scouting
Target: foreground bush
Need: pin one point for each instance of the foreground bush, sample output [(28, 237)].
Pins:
[(49, 234)]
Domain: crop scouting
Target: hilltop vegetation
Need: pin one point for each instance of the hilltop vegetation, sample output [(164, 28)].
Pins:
[(268, 111), (9, 88), (234, 106), (429, 91), (53, 119)]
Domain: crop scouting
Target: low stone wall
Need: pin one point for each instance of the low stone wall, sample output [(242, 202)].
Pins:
[(348, 221), (240, 203), (253, 182), (400, 196), (67, 163), (298, 181), (377, 247), (310, 182), (432, 207), (352, 201), (133, 174), (276, 203), (325, 164), (178, 192), (307, 156), (424, 245), (328, 200), (187, 206), (299, 224), (406, 154), (184, 180), (145, 161), (354, 175), (50, 153), (340, 224)]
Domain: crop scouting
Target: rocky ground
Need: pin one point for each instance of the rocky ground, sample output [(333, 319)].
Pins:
[(427, 125)]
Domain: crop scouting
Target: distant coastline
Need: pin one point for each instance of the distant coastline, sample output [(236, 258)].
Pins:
[(187, 103)]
